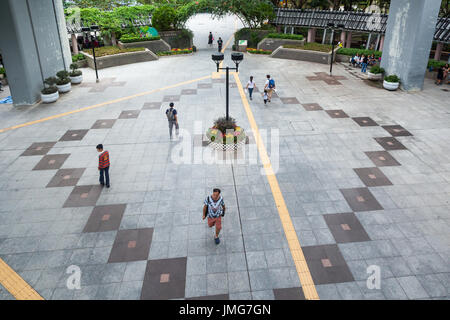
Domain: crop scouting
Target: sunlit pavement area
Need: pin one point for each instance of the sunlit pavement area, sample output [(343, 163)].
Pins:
[(364, 172)]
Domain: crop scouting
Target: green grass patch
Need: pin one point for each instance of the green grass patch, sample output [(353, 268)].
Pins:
[(78, 57), (435, 64), (354, 51), (111, 50), (258, 51), (129, 38), (285, 36), (310, 46), (175, 52)]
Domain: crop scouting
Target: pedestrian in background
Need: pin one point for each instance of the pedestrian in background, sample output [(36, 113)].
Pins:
[(210, 39), (250, 86), (103, 165), (219, 44), (172, 117)]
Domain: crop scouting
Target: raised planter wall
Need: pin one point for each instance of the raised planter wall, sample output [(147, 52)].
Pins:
[(82, 63), (303, 55), (154, 46), (175, 39), (273, 43), (121, 59), (261, 34)]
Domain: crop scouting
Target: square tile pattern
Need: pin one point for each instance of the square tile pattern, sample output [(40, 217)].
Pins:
[(152, 106), (131, 245), (74, 135), (345, 227), (188, 91), (103, 124), (290, 100), (105, 218), (312, 106), (51, 162), (325, 77), (103, 84), (289, 294), (83, 196), (382, 158), (164, 279), (397, 131), (390, 143), (204, 85), (326, 264), (361, 199), (129, 114), (372, 177), (38, 149), (66, 178), (365, 122), (214, 297), (336, 113), (171, 98)]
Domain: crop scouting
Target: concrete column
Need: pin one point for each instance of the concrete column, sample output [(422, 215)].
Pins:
[(34, 43), (348, 42), (381, 43), (438, 52), (74, 43), (377, 43), (368, 41), (343, 37), (324, 35), (409, 35), (332, 36), (311, 35)]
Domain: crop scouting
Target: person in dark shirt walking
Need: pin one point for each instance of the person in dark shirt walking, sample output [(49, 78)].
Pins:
[(219, 44), (172, 117), (210, 39), (103, 165)]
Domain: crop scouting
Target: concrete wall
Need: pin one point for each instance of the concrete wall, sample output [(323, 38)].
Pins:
[(303, 55), (34, 45), (409, 35), (155, 46), (120, 59), (273, 43)]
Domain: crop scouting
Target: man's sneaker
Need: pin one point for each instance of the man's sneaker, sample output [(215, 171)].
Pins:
[(217, 240), (107, 185)]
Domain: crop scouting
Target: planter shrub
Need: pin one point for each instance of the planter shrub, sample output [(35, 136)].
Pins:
[(392, 78), (313, 46), (435, 64), (78, 57), (376, 70), (354, 51), (129, 38), (107, 51), (164, 18), (258, 51), (253, 36), (285, 36), (175, 52)]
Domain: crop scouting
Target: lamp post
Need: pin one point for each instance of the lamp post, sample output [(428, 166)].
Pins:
[(94, 28), (331, 27), (237, 58)]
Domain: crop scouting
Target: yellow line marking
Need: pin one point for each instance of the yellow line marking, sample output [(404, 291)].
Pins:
[(15, 284), (103, 104), (303, 272)]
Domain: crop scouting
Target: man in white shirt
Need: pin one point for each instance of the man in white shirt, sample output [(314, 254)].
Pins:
[(269, 86)]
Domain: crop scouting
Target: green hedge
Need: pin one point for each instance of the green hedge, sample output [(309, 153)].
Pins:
[(128, 38), (253, 36), (2, 71), (258, 51), (435, 64), (285, 36), (78, 57), (354, 51)]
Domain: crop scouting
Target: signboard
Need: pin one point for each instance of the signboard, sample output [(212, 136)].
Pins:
[(242, 42), (147, 31)]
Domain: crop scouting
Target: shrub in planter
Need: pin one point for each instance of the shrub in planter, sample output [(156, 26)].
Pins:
[(128, 38), (375, 73), (285, 36), (76, 76), (78, 57), (63, 81), (391, 82), (225, 134), (50, 92)]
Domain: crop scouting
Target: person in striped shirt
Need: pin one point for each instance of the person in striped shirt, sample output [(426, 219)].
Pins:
[(214, 209), (103, 165)]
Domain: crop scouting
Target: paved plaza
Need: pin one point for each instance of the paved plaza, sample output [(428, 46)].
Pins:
[(364, 173)]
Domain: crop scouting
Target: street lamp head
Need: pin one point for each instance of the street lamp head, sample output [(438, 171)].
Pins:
[(237, 57), (217, 58)]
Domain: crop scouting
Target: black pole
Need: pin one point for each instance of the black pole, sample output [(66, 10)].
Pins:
[(332, 52), (228, 84), (95, 60)]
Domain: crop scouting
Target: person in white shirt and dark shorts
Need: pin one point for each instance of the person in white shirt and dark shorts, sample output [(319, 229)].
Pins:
[(250, 86)]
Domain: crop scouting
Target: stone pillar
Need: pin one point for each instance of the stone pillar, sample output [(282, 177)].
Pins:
[(311, 35), (74, 43), (368, 41), (34, 43), (343, 37), (348, 42), (324, 35), (409, 35), (438, 52), (380, 48)]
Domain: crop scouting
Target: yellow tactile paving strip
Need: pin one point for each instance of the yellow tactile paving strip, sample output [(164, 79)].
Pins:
[(304, 275), (16, 285)]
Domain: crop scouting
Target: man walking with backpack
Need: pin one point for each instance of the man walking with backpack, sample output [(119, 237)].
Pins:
[(171, 114), (270, 86), (214, 209)]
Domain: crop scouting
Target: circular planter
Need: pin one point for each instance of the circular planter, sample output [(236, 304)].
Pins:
[(374, 76), (227, 147), (77, 79), (64, 88), (392, 86), (49, 98)]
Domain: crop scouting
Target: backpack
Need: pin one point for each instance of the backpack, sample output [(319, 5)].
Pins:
[(170, 115), (271, 83)]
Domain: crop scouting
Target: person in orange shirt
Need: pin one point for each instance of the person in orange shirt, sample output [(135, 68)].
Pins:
[(103, 165)]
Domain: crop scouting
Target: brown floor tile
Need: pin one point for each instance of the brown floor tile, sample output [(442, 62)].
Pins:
[(38, 149), (218, 80), (105, 218), (361, 199), (397, 131), (365, 122), (204, 86), (382, 158), (131, 245), (215, 297), (390, 143), (129, 114), (103, 84), (171, 98), (335, 270), (336, 113), (290, 100), (164, 279), (51, 162), (83, 196), (372, 177), (104, 124), (74, 135), (289, 294), (152, 106), (312, 106), (346, 227), (66, 178), (188, 91)]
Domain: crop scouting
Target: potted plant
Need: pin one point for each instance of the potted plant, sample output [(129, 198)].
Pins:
[(63, 81), (50, 92), (375, 73), (226, 135), (391, 82), (76, 76)]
